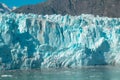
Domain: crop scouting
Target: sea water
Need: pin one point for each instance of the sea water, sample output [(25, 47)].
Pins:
[(84, 73)]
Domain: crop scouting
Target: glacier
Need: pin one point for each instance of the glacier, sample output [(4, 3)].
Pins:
[(29, 41)]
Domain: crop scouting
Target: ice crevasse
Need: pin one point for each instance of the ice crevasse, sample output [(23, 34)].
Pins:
[(29, 41)]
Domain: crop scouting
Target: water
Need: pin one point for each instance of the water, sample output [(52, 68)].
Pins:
[(85, 73)]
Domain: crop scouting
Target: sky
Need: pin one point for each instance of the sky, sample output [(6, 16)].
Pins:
[(18, 3)]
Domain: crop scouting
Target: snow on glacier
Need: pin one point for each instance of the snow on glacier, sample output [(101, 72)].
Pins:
[(54, 41)]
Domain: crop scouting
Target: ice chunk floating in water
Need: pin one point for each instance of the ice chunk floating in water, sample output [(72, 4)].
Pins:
[(53, 41)]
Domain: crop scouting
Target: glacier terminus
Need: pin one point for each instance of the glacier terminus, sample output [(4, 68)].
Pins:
[(29, 41)]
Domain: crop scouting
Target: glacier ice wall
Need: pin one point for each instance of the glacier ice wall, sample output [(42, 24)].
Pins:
[(54, 41)]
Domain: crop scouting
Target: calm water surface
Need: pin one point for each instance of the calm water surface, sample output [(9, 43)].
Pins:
[(86, 73)]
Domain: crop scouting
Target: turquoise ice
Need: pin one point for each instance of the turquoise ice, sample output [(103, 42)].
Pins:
[(29, 41)]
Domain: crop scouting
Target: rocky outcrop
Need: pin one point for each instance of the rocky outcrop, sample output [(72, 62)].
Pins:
[(108, 8)]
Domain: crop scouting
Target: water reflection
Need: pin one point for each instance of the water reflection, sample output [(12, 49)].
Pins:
[(98, 73), (86, 73)]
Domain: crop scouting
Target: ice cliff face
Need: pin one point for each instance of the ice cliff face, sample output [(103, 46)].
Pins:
[(53, 41)]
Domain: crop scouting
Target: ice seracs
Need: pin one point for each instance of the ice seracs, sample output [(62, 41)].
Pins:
[(54, 41)]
